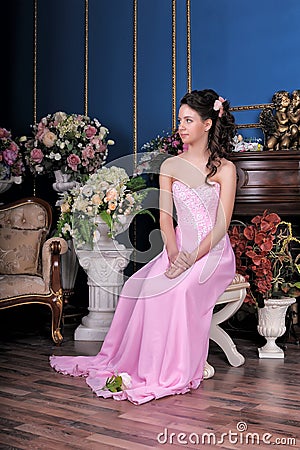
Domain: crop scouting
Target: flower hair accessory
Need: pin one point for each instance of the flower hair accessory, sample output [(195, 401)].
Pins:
[(218, 105)]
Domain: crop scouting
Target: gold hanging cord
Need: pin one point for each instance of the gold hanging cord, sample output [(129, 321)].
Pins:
[(134, 124), (174, 105), (135, 82), (86, 56), (35, 59), (188, 46)]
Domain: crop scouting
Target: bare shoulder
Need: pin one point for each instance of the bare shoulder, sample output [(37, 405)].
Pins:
[(227, 168), (226, 172), (168, 166), (227, 165)]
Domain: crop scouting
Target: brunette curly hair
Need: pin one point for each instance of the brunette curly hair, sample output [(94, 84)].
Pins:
[(222, 131)]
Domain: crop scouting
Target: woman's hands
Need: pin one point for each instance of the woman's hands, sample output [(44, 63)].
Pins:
[(179, 264)]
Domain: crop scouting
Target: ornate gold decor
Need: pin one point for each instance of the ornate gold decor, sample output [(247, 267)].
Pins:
[(282, 126), (249, 108)]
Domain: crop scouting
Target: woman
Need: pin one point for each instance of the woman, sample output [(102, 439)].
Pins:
[(160, 331)]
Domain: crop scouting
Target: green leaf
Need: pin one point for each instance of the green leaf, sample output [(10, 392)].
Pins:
[(107, 219), (149, 213)]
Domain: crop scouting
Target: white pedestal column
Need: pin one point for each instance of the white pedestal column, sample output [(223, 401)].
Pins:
[(105, 279)]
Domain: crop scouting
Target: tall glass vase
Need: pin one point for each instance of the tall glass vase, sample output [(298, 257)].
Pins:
[(69, 261), (69, 270)]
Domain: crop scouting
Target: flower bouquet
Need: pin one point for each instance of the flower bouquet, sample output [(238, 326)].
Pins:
[(11, 164), (72, 143), (118, 382), (268, 255), (157, 150), (109, 194)]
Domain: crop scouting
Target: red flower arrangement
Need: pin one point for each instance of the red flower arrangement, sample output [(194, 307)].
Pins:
[(264, 255)]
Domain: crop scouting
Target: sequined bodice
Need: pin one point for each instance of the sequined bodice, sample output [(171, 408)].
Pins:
[(196, 210)]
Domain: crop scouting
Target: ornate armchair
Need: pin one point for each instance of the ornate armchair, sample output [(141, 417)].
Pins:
[(29, 262)]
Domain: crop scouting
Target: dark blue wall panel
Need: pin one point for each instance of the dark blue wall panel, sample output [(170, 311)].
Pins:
[(60, 58), (154, 69), (244, 50), (110, 70), (16, 74)]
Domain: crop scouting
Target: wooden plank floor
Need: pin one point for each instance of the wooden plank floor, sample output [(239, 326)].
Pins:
[(41, 409)]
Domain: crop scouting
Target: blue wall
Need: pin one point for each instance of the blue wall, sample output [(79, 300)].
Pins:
[(244, 50)]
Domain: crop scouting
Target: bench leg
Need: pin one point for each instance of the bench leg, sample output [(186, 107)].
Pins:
[(220, 337), (208, 371)]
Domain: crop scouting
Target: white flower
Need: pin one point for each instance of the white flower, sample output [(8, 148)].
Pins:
[(66, 228), (126, 380), (17, 180), (60, 116), (103, 130), (110, 142), (57, 156), (39, 168), (62, 145), (23, 139), (87, 190)]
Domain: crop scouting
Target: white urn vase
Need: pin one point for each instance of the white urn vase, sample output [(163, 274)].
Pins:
[(102, 238), (5, 185), (62, 181), (271, 325)]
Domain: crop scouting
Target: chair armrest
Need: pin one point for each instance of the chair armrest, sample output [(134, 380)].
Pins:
[(52, 249)]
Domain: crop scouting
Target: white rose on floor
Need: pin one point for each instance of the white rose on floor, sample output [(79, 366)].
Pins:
[(126, 380)]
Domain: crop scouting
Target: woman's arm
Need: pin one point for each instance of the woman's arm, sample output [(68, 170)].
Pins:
[(227, 180), (166, 211)]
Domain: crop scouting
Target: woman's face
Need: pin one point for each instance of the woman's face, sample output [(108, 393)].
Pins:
[(191, 127)]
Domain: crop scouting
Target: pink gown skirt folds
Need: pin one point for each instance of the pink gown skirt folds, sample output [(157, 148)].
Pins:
[(160, 331)]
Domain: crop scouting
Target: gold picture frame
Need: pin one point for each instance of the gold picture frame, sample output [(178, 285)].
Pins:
[(250, 108)]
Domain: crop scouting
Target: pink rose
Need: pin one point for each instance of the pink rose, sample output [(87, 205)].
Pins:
[(41, 130), (9, 156), (4, 133), (102, 148), (88, 152), (90, 131), (13, 147), (37, 155), (73, 161), (49, 139)]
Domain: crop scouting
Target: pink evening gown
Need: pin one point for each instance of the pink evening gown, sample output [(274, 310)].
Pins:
[(160, 331)]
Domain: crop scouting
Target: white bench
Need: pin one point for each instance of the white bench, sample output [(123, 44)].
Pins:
[(232, 299)]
